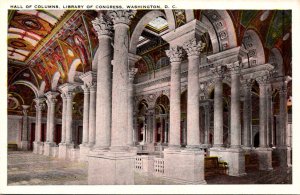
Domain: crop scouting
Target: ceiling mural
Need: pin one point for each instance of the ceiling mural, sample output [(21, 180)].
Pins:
[(42, 43)]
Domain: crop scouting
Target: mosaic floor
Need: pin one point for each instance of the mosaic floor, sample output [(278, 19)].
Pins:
[(26, 168)]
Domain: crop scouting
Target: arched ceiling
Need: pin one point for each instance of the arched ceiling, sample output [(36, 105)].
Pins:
[(43, 43)]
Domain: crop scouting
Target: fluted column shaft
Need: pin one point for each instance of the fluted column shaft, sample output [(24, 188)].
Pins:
[(92, 115), (63, 123), (103, 27), (262, 113), (119, 128), (175, 54), (247, 114), (235, 114), (69, 117), (85, 128)]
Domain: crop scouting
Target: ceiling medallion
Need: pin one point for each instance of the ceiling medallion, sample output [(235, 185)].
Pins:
[(31, 24)]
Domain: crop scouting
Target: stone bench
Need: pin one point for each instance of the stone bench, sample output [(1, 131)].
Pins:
[(12, 147), (213, 166)]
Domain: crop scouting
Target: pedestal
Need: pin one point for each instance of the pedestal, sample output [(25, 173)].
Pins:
[(40, 147), (24, 145), (64, 150), (184, 166), (109, 167), (264, 158), (282, 154), (36, 147), (84, 151), (47, 148)]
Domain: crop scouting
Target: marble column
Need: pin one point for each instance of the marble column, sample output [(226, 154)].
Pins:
[(269, 116), (48, 120), (69, 118), (25, 132), (262, 112), (131, 73), (38, 126), (92, 115), (63, 121), (218, 107), (104, 27), (281, 148), (175, 54), (247, 113), (235, 114), (207, 109), (193, 49), (86, 105), (263, 151), (119, 128), (51, 97), (118, 156)]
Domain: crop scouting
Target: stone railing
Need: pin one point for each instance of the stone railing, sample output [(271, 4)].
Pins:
[(159, 166), (138, 164)]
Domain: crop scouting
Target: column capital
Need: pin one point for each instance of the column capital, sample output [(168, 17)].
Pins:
[(39, 103), (235, 67), (247, 83), (132, 72), (25, 109), (85, 89), (121, 16), (89, 79), (51, 96), (219, 71), (263, 80), (175, 54), (103, 26), (193, 47), (68, 89)]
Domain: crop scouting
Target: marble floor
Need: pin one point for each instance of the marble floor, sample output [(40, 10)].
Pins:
[(26, 168)]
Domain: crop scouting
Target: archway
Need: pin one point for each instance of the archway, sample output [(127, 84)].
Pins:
[(161, 124)]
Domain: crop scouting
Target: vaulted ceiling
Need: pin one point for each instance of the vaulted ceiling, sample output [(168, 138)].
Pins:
[(44, 42)]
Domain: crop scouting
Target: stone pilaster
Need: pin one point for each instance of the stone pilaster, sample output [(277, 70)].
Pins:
[(193, 49), (131, 73), (24, 138), (104, 27), (38, 126), (218, 106), (247, 113), (175, 54)]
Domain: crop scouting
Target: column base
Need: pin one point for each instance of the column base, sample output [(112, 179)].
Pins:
[(235, 157), (111, 167), (264, 158), (64, 150), (48, 148), (84, 151), (184, 166), (24, 145), (38, 147)]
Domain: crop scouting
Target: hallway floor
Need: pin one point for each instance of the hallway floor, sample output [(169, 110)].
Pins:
[(26, 168)]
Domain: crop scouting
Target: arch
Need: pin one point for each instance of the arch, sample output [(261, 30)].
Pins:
[(141, 26), (276, 59), (223, 28), (30, 85), (95, 60), (54, 80), (170, 18), (42, 87), (162, 102), (252, 42), (72, 70), (16, 95), (212, 34)]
